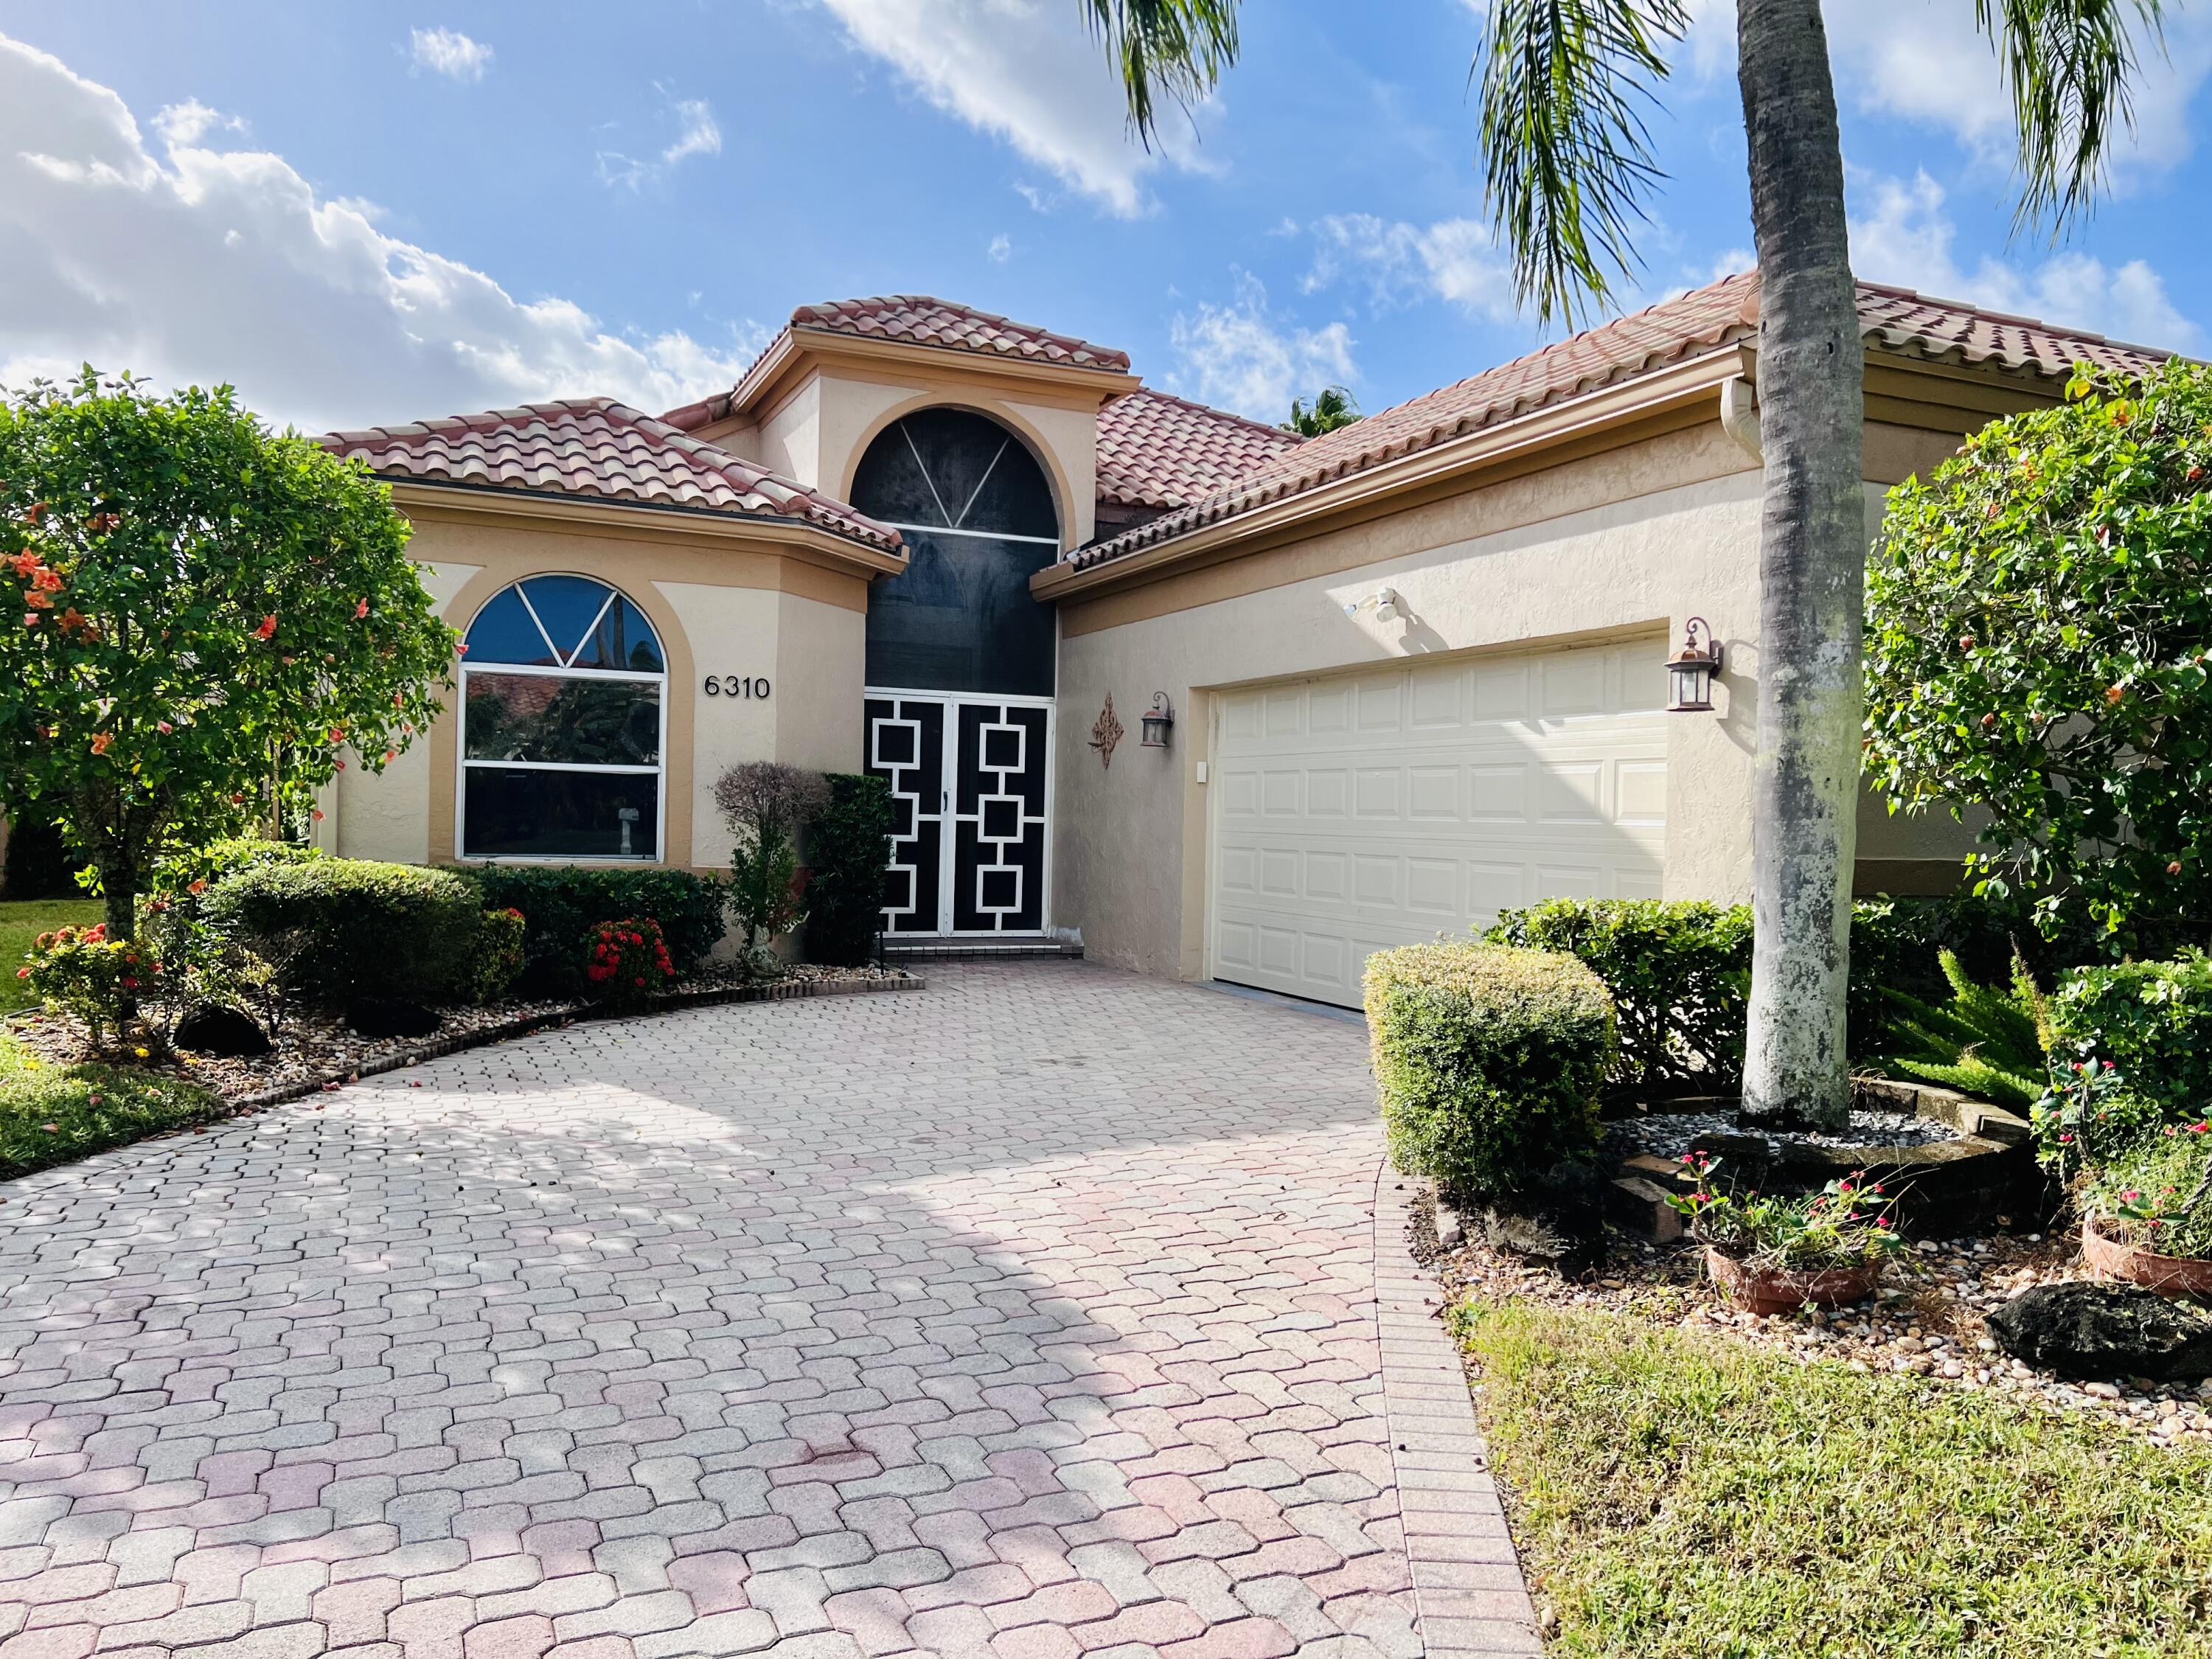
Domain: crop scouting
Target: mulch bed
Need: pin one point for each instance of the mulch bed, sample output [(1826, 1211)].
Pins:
[(1927, 1321), (315, 1050)]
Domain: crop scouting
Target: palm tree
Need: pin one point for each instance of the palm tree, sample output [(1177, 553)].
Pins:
[(1569, 165), (1333, 407)]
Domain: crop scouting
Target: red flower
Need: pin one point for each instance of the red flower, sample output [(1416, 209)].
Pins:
[(361, 611), (267, 627)]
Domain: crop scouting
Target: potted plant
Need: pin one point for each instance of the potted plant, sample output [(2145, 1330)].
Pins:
[(1772, 1253), (2147, 1214)]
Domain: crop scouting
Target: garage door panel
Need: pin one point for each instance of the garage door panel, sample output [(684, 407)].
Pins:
[(1393, 806)]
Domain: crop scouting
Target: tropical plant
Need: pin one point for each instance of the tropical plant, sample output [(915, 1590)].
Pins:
[(766, 805), (83, 972), (2089, 1117), (626, 960), (1986, 1041), (2158, 1194), (1569, 164), (1846, 1223), (1333, 407), (2039, 631), (204, 618)]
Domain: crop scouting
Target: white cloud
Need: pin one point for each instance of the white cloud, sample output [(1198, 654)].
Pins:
[(1900, 235), (1002, 248), (190, 121), (450, 53), (192, 264), (1026, 71), (1454, 260), (1238, 356), (1924, 60), (698, 134)]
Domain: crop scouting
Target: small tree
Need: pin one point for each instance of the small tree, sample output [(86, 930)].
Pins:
[(2038, 622), (1333, 407), (199, 617), (766, 805)]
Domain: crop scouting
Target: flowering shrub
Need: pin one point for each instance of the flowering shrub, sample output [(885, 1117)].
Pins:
[(2089, 1116), (2158, 1195), (82, 971), (1846, 1224), (627, 961)]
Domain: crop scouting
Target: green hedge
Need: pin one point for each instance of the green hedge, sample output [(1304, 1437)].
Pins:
[(848, 854), (1680, 975), (561, 904), (2153, 1020), (1488, 1062), (340, 928)]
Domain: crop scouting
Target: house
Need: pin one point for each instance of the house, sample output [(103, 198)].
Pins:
[(1412, 670)]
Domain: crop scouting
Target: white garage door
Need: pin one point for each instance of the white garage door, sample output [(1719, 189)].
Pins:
[(1356, 813)]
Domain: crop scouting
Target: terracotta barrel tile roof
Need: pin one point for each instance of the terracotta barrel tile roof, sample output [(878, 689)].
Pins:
[(1159, 450), (602, 450), (921, 319), (1719, 315)]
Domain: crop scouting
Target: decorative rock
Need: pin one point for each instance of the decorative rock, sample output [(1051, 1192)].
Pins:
[(390, 1017), (2084, 1330), (1559, 1221), (215, 1029)]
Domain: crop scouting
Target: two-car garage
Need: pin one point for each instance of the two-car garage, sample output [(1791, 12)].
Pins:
[(1360, 811)]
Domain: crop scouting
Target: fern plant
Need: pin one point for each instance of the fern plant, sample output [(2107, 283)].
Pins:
[(1987, 1041)]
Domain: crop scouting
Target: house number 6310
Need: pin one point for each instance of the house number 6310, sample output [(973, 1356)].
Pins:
[(736, 685)]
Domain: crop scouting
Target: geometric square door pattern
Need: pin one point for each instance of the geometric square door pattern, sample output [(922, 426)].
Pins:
[(1367, 810), (970, 803)]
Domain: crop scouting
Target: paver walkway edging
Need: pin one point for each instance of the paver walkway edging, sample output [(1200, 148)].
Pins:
[(1472, 1602)]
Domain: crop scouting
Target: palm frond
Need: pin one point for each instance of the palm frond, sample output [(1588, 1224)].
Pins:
[(1171, 50), (2068, 65), (1567, 153)]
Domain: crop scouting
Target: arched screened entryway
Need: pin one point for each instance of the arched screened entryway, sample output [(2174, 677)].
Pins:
[(961, 664)]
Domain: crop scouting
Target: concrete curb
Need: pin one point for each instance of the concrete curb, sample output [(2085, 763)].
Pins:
[(675, 1002), (1471, 1599)]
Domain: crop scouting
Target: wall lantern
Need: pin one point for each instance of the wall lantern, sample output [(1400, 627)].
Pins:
[(1156, 720), (1690, 671)]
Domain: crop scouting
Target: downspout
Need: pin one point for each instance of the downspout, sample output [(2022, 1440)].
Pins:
[(1740, 414)]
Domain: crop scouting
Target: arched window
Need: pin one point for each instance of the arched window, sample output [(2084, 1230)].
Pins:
[(563, 718), (978, 517)]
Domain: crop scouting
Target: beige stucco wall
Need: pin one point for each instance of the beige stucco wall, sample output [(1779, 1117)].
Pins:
[(1629, 543), (721, 605)]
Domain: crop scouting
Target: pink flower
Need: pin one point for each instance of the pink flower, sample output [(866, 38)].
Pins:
[(164, 727), (361, 611)]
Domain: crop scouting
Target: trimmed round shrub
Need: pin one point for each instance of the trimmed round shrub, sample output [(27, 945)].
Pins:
[(495, 958), (1488, 1061), (192, 870), (338, 929)]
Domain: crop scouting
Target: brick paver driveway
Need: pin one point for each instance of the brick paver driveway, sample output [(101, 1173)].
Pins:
[(1031, 1314)]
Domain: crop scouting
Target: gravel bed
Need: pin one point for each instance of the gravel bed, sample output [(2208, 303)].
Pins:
[(1669, 1135), (1926, 1322), (316, 1049)]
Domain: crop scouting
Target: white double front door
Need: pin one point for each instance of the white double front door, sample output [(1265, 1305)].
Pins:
[(971, 795)]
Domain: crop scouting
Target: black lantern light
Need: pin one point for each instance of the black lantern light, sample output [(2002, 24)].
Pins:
[(1156, 720), (1690, 671)]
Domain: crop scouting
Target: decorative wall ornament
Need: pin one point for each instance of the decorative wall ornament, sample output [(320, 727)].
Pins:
[(1106, 733)]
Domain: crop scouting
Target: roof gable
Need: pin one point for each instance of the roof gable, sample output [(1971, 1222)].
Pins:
[(1159, 451), (598, 449)]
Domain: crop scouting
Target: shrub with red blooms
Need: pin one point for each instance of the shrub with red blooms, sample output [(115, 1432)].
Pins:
[(626, 960), (83, 972)]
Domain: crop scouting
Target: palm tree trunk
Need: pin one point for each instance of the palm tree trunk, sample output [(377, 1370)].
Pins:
[(1812, 568)]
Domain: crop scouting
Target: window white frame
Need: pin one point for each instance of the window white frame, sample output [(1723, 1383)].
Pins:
[(463, 764)]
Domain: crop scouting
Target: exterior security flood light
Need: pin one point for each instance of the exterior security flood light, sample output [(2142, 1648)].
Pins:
[(1386, 603)]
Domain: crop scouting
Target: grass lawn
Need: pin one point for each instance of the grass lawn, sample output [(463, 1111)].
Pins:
[(89, 1107), (1678, 1495), (22, 921)]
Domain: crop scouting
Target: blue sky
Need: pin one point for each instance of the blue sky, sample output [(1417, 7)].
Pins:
[(365, 213)]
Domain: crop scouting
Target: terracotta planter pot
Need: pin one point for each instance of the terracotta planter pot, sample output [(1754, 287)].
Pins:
[(2115, 1260), (1761, 1291)]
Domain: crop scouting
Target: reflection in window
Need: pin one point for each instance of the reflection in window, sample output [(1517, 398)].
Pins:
[(563, 690)]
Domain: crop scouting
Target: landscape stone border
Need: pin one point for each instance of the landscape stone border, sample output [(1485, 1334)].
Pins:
[(1469, 1595), (672, 1002)]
